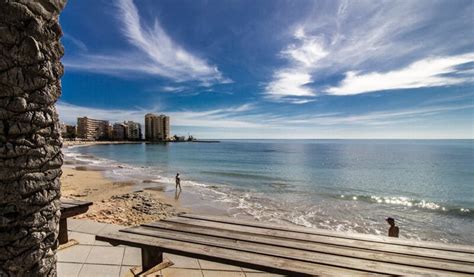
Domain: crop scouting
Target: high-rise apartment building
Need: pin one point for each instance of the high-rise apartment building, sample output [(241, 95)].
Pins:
[(110, 131), (150, 121), (92, 129), (165, 128), (119, 131), (157, 127), (134, 130)]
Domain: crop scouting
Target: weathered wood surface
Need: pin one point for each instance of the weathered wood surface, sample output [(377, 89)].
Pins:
[(273, 264), (66, 203), (151, 256), (316, 247), (294, 250), (345, 242), (70, 208), (362, 237), (283, 251)]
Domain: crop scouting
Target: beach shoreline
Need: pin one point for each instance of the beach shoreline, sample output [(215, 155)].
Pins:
[(117, 202), (75, 143), (129, 202)]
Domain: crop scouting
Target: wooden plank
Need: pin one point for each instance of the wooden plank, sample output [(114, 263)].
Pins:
[(384, 247), (71, 208), (287, 252), (363, 237), (70, 212), (67, 206), (75, 202), (151, 256), (228, 256), (318, 247), (63, 234), (68, 200)]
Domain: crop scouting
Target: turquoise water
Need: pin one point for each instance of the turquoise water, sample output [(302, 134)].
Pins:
[(347, 185)]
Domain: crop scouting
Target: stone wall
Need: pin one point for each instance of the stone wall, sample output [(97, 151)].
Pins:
[(30, 142)]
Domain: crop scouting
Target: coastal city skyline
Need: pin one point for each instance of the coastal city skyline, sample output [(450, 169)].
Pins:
[(157, 128), (319, 69)]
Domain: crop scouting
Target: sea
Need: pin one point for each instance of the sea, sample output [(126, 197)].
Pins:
[(340, 185)]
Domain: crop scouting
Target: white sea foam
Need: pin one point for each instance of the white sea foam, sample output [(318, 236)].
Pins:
[(405, 201)]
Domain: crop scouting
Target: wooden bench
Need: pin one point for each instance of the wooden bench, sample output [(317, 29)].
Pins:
[(70, 208), (294, 251)]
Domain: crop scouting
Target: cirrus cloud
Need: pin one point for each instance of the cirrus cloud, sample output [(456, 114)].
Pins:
[(430, 72), (375, 46), (155, 54), (291, 84)]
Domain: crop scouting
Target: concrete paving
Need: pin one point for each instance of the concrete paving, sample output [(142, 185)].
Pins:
[(97, 258)]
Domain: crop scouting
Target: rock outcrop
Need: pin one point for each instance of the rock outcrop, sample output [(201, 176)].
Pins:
[(30, 142)]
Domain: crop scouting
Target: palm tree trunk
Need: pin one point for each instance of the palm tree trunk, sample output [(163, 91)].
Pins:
[(30, 141)]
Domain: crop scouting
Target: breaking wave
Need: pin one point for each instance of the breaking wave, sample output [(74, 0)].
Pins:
[(411, 203)]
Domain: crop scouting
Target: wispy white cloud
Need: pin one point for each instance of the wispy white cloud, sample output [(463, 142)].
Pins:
[(227, 117), (428, 72), (390, 39), (156, 53), (398, 116), (173, 88), (299, 100), (69, 113), (291, 84), (307, 51), (76, 42)]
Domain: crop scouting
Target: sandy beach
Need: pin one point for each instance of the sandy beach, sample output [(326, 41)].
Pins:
[(116, 202), (130, 202), (68, 143)]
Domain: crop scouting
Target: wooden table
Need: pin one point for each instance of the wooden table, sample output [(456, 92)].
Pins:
[(294, 251), (70, 208)]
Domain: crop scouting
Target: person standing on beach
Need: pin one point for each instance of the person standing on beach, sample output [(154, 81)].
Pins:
[(393, 230), (178, 181)]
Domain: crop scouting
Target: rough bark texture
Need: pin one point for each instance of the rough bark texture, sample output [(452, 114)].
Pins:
[(30, 142)]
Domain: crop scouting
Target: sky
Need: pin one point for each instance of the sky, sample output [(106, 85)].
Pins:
[(273, 68)]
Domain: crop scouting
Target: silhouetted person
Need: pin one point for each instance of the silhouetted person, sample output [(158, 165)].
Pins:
[(393, 230), (178, 181)]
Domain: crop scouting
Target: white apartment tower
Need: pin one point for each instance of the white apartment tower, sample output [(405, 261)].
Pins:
[(92, 129)]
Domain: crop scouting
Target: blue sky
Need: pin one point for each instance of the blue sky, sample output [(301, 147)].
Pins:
[(274, 69)]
